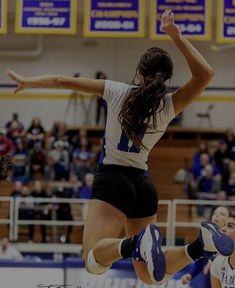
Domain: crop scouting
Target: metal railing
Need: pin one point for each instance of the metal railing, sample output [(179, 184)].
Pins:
[(10, 214), (171, 223), (190, 223)]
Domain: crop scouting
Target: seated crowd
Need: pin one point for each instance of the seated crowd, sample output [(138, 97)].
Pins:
[(212, 173), (54, 157), (65, 157), (59, 164)]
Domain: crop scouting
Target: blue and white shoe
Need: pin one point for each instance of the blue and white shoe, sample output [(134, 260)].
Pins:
[(148, 249), (215, 241)]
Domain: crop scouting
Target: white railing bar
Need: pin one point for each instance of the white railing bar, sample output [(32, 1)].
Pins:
[(11, 216), (5, 221), (173, 220), (5, 198), (70, 200), (205, 202), (54, 200), (187, 224), (169, 217), (164, 202), (16, 219), (51, 222), (61, 222)]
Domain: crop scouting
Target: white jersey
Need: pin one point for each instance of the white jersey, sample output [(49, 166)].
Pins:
[(118, 150), (10, 254), (222, 270)]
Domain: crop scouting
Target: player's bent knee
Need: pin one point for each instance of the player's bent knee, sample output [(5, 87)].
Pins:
[(93, 266)]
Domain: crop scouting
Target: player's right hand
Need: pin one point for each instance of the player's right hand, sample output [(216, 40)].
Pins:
[(20, 80)]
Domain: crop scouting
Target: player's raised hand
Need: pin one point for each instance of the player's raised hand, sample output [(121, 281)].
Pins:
[(168, 24), (20, 80)]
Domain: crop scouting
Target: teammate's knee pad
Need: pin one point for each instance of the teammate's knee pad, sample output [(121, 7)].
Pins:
[(94, 267)]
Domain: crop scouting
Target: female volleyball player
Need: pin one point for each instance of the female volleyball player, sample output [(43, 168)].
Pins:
[(223, 268), (123, 196), (219, 217)]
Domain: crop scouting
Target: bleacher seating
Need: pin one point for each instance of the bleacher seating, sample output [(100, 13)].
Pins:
[(171, 154)]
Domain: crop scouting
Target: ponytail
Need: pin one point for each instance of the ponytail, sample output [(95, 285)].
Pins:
[(140, 107)]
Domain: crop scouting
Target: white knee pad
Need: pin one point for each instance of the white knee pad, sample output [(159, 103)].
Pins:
[(94, 267)]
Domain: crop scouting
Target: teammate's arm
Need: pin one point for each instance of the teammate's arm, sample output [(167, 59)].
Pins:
[(215, 282), (56, 81), (200, 69)]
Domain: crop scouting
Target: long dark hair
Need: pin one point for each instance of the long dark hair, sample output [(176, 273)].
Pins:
[(144, 100)]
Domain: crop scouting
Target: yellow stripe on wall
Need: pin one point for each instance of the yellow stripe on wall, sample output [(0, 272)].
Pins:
[(42, 96), (54, 96)]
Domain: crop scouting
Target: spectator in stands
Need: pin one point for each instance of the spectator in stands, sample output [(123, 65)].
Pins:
[(198, 171), (59, 132), (221, 159), (8, 252), (100, 103), (75, 185), (77, 138), (37, 162), (26, 209), (208, 187), (83, 158), (21, 160), (15, 129), (64, 212), (41, 208), (7, 147), (202, 148), (229, 137), (17, 192), (85, 192), (35, 133), (59, 161), (86, 189), (230, 187)]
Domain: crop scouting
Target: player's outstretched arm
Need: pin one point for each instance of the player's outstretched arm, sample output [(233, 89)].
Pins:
[(201, 71), (57, 81)]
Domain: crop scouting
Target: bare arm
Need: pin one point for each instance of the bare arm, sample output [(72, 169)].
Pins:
[(57, 81), (215, 282), (200, 69)]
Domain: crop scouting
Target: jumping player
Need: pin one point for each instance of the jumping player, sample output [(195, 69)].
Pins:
[(123, 196)]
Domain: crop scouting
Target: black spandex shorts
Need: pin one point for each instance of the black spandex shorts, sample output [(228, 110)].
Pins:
[(126, 188)]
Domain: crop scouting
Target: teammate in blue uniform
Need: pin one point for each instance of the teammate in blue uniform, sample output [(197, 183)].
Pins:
[(123, 196)]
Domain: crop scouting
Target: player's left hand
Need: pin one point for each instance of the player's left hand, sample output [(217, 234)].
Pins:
[(168, 24)]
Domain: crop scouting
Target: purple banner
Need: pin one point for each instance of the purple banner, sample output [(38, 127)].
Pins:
[(114, 17)]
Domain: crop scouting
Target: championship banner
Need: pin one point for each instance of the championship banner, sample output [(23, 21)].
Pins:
[(3, 16), (193, 17), (46, 16), (226, 21), (114, 18)]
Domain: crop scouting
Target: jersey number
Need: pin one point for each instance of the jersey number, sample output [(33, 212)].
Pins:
[(123, 144)]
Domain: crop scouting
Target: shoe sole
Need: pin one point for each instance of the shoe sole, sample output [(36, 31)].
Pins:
[(223, 243), (158, 262)]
